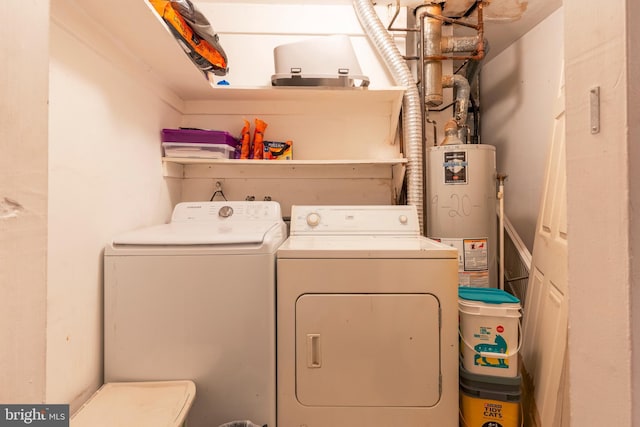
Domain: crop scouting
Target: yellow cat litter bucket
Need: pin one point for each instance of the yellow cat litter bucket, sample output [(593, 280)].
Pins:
[(489, 331), (488, 401)]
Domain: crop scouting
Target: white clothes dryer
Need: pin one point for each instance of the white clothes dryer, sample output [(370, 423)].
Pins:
[(195, 300), (367, 321)]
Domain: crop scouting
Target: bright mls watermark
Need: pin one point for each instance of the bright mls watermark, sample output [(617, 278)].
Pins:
[(34, 415)]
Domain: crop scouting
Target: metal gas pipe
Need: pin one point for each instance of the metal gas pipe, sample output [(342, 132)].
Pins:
[(437, 48)]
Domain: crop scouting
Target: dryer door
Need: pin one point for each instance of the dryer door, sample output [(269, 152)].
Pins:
[(368, 350)]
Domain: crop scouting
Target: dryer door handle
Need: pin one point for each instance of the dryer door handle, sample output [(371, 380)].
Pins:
[(314, 355)]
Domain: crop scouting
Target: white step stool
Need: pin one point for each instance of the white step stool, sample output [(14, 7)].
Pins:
[(137, 404)]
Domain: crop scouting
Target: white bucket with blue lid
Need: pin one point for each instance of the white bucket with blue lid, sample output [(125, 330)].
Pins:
[(489, 331)]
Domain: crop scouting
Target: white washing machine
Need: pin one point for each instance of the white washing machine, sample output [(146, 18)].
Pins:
[(195, 300), (367, 321)]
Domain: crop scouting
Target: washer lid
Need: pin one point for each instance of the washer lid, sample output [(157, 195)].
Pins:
[(209, 223), (178, 234)]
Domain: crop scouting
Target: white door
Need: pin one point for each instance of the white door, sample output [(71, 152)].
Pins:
[(368, 350), (546, 303)]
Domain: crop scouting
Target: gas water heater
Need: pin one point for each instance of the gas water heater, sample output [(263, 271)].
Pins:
[(461, 208)]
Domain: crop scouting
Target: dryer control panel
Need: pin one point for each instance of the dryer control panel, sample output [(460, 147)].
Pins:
[(392, 220)]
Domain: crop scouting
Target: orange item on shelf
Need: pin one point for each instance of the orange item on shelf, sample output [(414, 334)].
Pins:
[(277, 150), (258, 139), (201, 52), (245, 140)]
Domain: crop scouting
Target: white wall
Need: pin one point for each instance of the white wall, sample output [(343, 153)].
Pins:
[(319, 130), (23, 200), (105, 177), (518, 91)]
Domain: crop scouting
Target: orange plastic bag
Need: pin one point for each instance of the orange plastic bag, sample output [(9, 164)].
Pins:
[(258, 139), (202, 53), (245, 138)]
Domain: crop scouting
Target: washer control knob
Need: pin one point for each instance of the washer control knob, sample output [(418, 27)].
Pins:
[(403, 219), (225, 211), (313, 219)]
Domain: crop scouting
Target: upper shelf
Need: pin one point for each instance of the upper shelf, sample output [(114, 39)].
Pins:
[(169, 70), (287, 100), (391, 169)]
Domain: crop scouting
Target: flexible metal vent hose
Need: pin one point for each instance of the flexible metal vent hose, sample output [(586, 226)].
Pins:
[(412, 116)]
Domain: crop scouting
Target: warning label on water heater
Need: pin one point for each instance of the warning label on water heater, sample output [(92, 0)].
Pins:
[(473, 261), (476, 255), (455, 167)]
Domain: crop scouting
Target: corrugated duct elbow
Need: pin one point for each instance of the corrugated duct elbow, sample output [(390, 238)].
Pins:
[(411, 111), (463, 90)]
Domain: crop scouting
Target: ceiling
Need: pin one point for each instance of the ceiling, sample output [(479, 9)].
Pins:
[(502, 31), (505, 20)]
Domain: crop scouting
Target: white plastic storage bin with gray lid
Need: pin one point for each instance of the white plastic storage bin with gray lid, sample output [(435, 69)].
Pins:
[(489, 331), (139, 404)]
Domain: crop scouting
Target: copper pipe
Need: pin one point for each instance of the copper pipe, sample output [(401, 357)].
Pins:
[(395, 16), (451, 20), (404, 30), (480, 50)]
